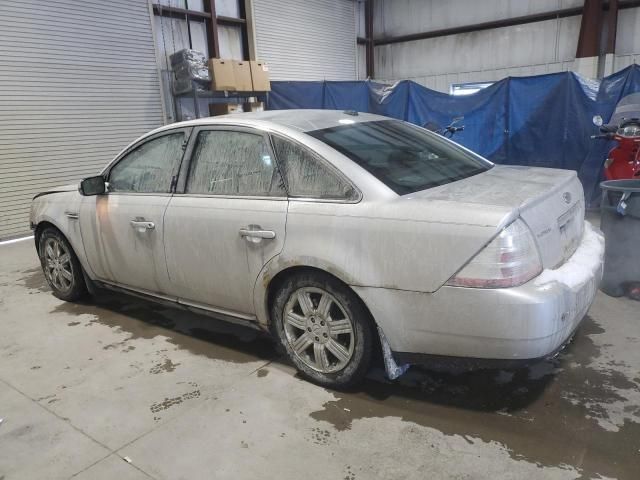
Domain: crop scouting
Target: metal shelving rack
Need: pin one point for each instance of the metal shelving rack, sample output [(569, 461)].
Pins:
[(217, 96)]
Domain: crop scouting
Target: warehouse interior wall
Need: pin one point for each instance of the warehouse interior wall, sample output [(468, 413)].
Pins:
[(324, 46), (78, 82), (175, 33), (307, 39), (627, 39), (489, 55)]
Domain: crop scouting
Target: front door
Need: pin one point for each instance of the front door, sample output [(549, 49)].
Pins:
[(228, 221), (122, 229)]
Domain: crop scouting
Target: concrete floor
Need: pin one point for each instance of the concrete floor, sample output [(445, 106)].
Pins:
[(118, 388)]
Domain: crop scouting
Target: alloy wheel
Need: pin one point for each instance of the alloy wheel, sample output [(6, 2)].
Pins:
[(57, 265), (318, 330)]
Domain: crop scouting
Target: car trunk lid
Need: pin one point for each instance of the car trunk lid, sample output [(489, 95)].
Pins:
[(550, 201)]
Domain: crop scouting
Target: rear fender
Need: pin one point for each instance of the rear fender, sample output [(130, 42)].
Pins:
[(279, 264)]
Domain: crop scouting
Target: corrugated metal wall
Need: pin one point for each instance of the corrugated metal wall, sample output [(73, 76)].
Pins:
[(307, 40), (484, 56), (628, 38), (488, 55), (78, 82)]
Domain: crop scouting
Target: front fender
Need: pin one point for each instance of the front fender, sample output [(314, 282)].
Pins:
[(58, 209)]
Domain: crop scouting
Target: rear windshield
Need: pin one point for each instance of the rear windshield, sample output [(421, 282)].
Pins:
[(405, 158)]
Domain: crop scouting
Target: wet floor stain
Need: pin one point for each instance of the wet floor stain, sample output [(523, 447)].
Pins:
[(115, 345), (73, 324), (350, 474), (33, 279), (173, 401), (550, 414), (321, 436), (528, 410), (199, 334), (164, 367)]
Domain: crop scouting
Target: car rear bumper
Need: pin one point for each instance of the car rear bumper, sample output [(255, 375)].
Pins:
[(531, 321)]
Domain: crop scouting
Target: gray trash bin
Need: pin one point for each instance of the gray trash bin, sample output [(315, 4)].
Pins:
[(620, 223)]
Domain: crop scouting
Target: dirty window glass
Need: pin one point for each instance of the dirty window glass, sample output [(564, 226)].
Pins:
[(405, 158), (306, 175), (150, 167), (233, 163)]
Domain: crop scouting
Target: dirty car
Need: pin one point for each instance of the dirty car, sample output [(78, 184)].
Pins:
[(339, 233)]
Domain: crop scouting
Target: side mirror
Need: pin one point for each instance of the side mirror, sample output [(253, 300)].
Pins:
[(93, 186), (597, 120)]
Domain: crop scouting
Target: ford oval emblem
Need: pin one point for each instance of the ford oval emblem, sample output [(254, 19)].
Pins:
[(566, 196)]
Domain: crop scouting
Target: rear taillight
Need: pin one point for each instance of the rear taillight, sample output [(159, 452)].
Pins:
[(511, 259)]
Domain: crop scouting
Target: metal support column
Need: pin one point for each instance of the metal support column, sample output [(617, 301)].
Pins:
[(368, 29)]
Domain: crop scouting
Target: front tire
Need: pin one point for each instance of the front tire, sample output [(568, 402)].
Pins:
[(324, 328), (60, 265)]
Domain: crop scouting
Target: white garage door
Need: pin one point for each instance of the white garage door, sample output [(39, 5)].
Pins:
[(78, 82), (307, 39)]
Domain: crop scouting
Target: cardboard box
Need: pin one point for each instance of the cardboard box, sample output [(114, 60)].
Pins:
[(216, 109), (222, 75), (260, 76), (254, 107), (242, 72)]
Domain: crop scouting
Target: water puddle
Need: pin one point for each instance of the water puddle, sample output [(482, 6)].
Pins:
[(200, 335), (526, 410)]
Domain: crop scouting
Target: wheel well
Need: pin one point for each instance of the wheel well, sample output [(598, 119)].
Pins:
[(40, 228), (278, 280)]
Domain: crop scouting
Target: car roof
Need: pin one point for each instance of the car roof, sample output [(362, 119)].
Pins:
[(301, 120)]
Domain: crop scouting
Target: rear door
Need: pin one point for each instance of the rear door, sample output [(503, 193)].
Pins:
[(226, 221), (122, 229)]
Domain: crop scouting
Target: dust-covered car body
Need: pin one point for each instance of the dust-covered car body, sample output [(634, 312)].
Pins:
[(486, 262)]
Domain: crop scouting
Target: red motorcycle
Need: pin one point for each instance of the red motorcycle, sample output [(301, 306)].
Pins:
[(623, 160)]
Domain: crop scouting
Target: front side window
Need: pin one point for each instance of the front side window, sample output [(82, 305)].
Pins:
[(233, 163), (150, 167), (405, 158), (306, 175)]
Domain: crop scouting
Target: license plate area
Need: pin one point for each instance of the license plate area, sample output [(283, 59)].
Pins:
[(570, 226)]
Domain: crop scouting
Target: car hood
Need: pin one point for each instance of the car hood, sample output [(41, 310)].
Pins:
[(64, 188)]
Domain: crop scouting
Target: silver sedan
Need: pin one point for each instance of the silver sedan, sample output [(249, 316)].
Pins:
[(339, 233)]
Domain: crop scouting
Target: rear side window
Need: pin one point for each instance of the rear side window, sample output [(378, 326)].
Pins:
[(306, 175), (150, 167), (403, 157), (225, 162)]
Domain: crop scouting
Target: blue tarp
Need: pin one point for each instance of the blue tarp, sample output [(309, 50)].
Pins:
[(544, 120)]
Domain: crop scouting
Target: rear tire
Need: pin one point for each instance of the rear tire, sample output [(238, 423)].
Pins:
[(324, 329), (60, 265)]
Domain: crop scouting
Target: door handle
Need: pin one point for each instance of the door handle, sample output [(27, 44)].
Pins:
[(249, 233), (142, 225)]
